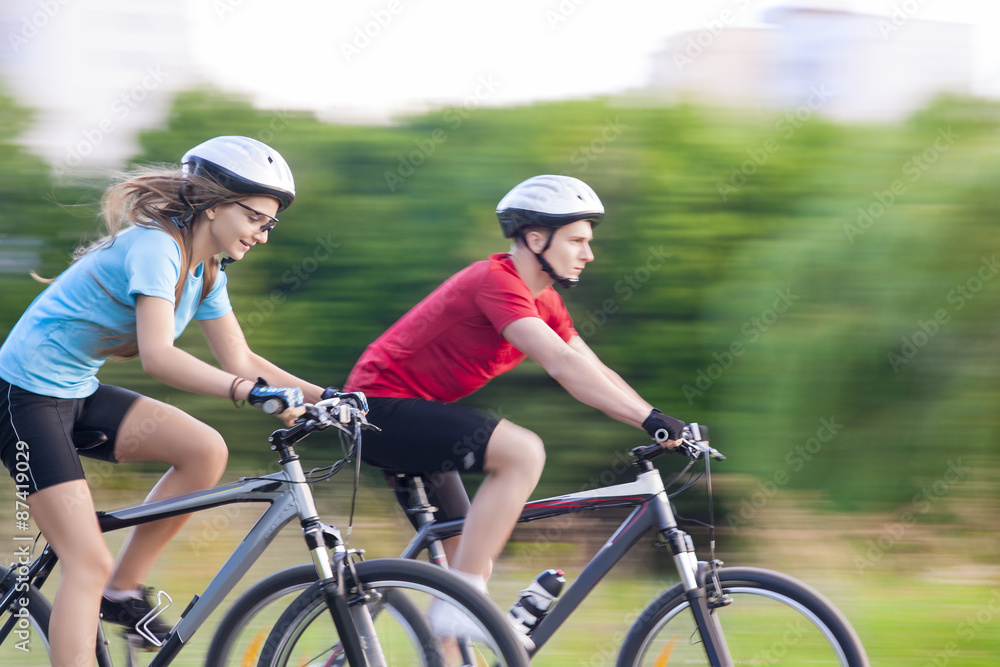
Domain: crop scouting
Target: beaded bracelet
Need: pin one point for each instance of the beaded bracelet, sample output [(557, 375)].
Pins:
[(232, 391)]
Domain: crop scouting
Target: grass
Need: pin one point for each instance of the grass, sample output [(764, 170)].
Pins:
[(910, 607)]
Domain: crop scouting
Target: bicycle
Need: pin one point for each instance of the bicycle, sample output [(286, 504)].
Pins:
[(718, 616), (366, 613)]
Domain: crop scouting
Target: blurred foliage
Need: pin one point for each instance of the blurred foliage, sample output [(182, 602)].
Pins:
[(821, 294)]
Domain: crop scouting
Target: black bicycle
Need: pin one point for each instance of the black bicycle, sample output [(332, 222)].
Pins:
[(718, 616), (362, 613)]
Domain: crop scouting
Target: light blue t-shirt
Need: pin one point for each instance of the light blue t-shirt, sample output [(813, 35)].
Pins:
[(54, 349)]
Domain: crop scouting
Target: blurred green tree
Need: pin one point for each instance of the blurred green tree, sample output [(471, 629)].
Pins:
[(821, 294)]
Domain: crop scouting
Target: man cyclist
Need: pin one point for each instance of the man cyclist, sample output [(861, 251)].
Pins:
[(480, 323)]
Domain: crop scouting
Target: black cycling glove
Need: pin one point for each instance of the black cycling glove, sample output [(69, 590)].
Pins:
[(657, 424)]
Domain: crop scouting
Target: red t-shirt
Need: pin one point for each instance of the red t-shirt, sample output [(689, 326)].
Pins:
[(449, 345)]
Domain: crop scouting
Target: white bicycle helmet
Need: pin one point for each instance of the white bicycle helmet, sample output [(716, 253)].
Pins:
[(243, 165), (548, 201), (552, 202)]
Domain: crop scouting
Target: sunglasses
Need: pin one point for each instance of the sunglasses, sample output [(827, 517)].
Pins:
[(267, 226)]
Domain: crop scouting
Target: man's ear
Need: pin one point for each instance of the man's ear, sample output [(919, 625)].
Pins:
[(535, 240)]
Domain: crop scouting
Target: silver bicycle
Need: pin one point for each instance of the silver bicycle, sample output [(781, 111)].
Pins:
[(360, 613)]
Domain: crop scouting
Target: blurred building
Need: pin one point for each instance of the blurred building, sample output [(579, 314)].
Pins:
[(95, 72), (854, 67)]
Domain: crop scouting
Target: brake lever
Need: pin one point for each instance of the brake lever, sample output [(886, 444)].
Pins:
[(367, 425), (694, 450)]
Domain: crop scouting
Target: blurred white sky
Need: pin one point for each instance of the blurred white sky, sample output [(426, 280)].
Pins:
[(316, 53), (98, 71)]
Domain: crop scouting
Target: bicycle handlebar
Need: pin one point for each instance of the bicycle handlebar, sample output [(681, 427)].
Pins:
[(693, 444), (344, 410)]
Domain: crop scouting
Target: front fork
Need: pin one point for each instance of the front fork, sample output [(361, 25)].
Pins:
[(348, 608), (704, 594)]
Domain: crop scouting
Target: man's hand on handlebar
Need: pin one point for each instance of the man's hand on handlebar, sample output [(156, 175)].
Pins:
[(664, 429)]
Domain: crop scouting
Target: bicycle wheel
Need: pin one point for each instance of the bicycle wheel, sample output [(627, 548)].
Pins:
[(242, 631), (241, 634), (401, 593), (24, 628), (773, 620)]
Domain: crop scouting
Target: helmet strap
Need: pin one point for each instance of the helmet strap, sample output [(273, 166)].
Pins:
[(565, 283), (192, 210)]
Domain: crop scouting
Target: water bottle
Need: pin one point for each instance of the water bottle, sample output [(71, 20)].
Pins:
[(536, 600)]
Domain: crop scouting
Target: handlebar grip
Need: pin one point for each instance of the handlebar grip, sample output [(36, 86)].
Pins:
[(274, 405)]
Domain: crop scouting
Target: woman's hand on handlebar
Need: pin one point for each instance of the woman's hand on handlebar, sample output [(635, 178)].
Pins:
[(285, 403)]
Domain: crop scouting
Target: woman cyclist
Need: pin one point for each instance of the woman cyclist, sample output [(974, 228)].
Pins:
[(482, 322), (131, 294)]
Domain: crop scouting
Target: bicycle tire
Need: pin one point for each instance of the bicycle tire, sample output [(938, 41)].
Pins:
[(305, 634), (229, 645), (768, 622), (240, 616), (19, 650)]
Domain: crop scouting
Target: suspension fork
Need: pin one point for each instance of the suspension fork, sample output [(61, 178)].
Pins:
[(348, 609), (350, 616), (703, 594), (694, 581)]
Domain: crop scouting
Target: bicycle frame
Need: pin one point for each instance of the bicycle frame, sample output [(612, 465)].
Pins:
[(288, 495), (652, 511)]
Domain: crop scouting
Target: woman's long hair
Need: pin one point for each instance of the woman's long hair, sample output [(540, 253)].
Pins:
[(158, 198)]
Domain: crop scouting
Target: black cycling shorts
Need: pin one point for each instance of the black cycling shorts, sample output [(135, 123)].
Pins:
[(434, 440), (36, 432)]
